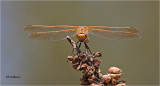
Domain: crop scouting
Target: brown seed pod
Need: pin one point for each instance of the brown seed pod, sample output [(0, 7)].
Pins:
[(93, 53), (100, 76), (78, 68), (75, 66), (121, 84), (94, 84), (84, 66), (70, 58), (97, 70), (84, 78), (85, 83), (84, 71), (113, 81), (83, 56), (122, 81), (76, 56), (81, 66), (115, 76), (90, 58), (92, 78), (76, 61), (106, 78), (98, 54), (118, 76), (114, 70), (96, 62), (90, 72), (87, 71)]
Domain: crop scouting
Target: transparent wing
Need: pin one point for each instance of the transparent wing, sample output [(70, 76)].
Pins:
[(44, 28), (115, 33), (53, 35)]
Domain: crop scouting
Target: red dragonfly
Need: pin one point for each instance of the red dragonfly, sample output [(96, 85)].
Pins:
[(56, 33)]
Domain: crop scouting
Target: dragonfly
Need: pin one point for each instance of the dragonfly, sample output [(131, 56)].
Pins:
[(59, 32)]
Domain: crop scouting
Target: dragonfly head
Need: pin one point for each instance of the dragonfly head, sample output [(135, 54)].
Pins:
[(82, 33), (81, 37)]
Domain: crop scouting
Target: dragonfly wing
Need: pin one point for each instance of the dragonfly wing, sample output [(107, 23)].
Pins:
[(115, 33), (53, 35), (44, 28)]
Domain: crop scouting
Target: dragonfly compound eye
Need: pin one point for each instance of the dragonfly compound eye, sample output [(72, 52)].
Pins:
[(81, 37)]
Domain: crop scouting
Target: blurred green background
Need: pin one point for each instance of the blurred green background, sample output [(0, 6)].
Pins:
[(44, 63)]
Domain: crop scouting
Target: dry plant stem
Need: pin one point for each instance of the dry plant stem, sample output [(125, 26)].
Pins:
[(73, 44), (89, 65)]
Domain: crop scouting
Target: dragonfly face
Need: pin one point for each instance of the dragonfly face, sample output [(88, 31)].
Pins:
[(81, 37), (82, 33), (56, 33)]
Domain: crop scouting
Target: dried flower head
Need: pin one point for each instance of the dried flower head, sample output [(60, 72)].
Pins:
[(114, 70)]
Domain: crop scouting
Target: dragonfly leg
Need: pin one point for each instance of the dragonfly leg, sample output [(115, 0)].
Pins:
[(79, 44), (86, 46), (72, 51)]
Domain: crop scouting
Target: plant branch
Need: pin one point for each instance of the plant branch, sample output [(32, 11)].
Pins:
[(89, 65)]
